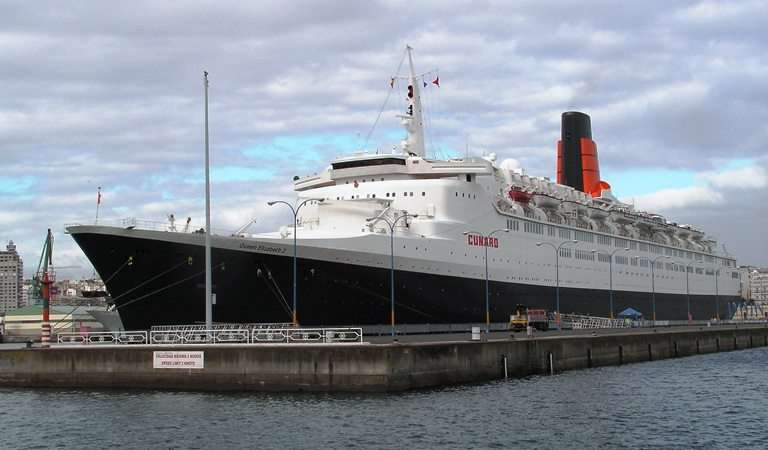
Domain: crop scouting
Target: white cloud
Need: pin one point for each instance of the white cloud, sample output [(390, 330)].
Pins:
[(670, 199), (709, 11), (753, 177)]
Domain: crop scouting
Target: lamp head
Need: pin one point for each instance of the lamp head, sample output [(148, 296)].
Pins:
[(465, 233), (506, 230), (539, 244), (574, 241), (626, 249), (271, 203)]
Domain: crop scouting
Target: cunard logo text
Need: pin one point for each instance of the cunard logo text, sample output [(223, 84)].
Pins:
[(482, 241)]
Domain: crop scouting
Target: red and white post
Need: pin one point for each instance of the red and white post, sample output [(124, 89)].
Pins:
[(45, 336)]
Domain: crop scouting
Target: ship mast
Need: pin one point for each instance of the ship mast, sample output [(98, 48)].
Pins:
[(412, 120)]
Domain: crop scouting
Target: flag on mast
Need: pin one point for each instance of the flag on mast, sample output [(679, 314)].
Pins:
[(98, 203)]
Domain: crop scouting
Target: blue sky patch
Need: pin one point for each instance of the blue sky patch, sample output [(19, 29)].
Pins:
[(304, 150), (16, 185), (635, 182), (221, 174)]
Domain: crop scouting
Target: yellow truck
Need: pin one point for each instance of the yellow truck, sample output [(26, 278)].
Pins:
[(523, 317)]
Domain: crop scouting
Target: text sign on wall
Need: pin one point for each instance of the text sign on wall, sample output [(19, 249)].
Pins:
[(178, 360), (482, 241)]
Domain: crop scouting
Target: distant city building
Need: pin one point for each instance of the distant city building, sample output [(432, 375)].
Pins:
[(26, 294), (87, 292), (754, 283), (11, 278), (754, 289), (758, 285)]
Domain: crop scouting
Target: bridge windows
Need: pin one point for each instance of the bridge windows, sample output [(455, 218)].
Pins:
[(513, 225), (584, 236), (531, 227)]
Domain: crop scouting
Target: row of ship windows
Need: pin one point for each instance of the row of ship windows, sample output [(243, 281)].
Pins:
[(588, 255), (642, 263), (386, 195), (585, 236)]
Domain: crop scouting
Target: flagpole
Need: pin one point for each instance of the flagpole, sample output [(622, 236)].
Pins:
[(208, 283), (98, 203)]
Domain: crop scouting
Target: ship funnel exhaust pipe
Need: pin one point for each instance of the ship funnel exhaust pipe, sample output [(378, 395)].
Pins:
[(577, 164)]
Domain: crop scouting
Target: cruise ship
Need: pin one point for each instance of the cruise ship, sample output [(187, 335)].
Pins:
[(444, 228)]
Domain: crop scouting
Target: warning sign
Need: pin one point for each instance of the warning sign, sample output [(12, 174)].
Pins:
[(178, 360)]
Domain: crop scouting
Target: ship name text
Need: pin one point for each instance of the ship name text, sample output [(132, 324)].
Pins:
[(482, 241), (263, 248)]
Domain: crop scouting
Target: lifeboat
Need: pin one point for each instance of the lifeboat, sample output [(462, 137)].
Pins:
[(518, 195), (546, 201), (597, 213)]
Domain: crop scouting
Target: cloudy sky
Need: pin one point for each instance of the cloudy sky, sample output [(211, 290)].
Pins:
[(110, 94)]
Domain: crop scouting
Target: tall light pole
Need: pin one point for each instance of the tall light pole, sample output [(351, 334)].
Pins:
[(687, 290), (208, 281), (717, 296), (295, 212), (653, 285), (392, 225), (486, 243), (610, 276), (557, 273)]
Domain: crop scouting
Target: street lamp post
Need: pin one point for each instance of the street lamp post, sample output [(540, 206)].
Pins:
[(717, 296), (653, 285), (392, 225), (610, 276), (687, 290), (557, 273), (295, 212), (486, 242)]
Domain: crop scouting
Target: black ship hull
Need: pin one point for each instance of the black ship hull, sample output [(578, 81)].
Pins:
[(157, 282)]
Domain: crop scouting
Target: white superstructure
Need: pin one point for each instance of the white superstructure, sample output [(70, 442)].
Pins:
[(457, 200)]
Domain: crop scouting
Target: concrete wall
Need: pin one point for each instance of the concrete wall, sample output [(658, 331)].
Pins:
[(390, 367)]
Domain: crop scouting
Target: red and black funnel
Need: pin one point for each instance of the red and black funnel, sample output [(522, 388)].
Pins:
[(577, 164)]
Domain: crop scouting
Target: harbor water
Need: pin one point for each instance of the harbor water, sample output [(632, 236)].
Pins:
[(708, 401)]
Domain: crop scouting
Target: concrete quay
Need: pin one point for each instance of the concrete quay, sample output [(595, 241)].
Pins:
[(409, 364)]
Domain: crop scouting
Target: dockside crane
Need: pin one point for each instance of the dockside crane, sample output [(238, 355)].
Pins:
[(43, 282)]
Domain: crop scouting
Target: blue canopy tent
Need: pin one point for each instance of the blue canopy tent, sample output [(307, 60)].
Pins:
[(631, 313)]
